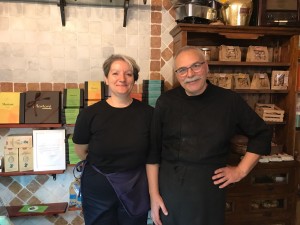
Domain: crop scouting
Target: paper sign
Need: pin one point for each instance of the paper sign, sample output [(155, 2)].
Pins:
[(49, 151)]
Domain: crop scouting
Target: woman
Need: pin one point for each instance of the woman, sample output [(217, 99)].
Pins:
[(112, 136)]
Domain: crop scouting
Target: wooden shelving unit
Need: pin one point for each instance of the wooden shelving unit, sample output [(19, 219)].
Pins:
[(268, 194)]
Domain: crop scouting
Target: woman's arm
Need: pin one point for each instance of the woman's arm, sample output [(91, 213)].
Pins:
[(81, 150)]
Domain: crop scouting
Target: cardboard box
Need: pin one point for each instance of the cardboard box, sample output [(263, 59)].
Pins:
[(260, 81), (280, 80), (241, 81), (225, 80), (230, 53), (25, 159), (18, 141), (73, 98), (257, 54), (11, 107), (11, 159), (94, 90), (42, 106)]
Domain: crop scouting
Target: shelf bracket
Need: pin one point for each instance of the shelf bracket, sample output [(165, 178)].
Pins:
[(62, 4), (54, 177), (126, 6)]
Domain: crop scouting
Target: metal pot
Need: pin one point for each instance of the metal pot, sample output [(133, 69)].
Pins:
[(237, 12), (195, 10)]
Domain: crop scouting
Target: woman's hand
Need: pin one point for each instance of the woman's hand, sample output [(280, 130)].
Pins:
[(157, 204)]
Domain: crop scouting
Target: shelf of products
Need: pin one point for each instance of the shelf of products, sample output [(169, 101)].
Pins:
[(268, 194)]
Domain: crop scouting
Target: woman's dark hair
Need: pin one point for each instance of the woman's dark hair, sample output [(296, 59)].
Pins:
[(107, 64)]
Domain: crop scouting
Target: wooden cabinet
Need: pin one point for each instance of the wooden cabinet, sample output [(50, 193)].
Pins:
[(267, 196)]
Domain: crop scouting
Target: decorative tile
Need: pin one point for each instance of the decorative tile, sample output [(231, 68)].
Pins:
[(15, 187), (15, 202), (33, 186), (24, 194), (5, 181), (42, 179)]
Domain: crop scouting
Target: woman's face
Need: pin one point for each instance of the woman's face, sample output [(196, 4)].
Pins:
[(120, 78)]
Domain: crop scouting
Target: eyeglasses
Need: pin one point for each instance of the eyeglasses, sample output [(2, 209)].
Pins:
[(196, 67)]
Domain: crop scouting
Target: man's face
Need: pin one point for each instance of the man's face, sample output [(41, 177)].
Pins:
[(191, 72)]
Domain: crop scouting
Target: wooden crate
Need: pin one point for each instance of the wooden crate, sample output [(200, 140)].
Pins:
[(269, 112)]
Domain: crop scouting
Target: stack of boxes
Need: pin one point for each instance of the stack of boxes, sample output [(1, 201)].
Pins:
[(72, 104), (94, 91), (18, 153), (152, 89), (71, 156)]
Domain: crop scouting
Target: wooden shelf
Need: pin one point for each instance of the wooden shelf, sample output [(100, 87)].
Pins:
[(262, 64), (74, 208), (53, 209), (255, 91), (26, 125), (18, 173)]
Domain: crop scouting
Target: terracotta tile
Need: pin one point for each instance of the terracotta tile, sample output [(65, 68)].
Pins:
[(15, 187), (24, 194), (135, 88), (156, 17), (162, 63), (46, 86), (155, 76), (168, 86), (78, 220), (33, 201), (5, 181), (60, 221), (20, 87), (6, 86), (172, 12), (167, 54), (33, 87), (15, 202), (58, 86), (167, 4), (71, 85), (155, 42), (155, 54), (42, 179), (33, 186), (81, 85), (156, 5), (155, 65), (171, 47), (155, 29)]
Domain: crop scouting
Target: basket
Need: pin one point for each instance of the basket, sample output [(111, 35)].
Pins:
[(269, 112)]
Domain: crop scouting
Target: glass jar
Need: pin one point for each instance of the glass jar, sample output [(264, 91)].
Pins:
[(206, 53)]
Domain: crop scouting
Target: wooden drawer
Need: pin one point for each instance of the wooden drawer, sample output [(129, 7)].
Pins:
[(260, 222), (267, 180), (258, 207)]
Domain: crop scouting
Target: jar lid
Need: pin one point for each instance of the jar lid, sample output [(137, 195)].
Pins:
[(205, 49)]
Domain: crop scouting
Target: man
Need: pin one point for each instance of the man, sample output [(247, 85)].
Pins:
[(191, 131)]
